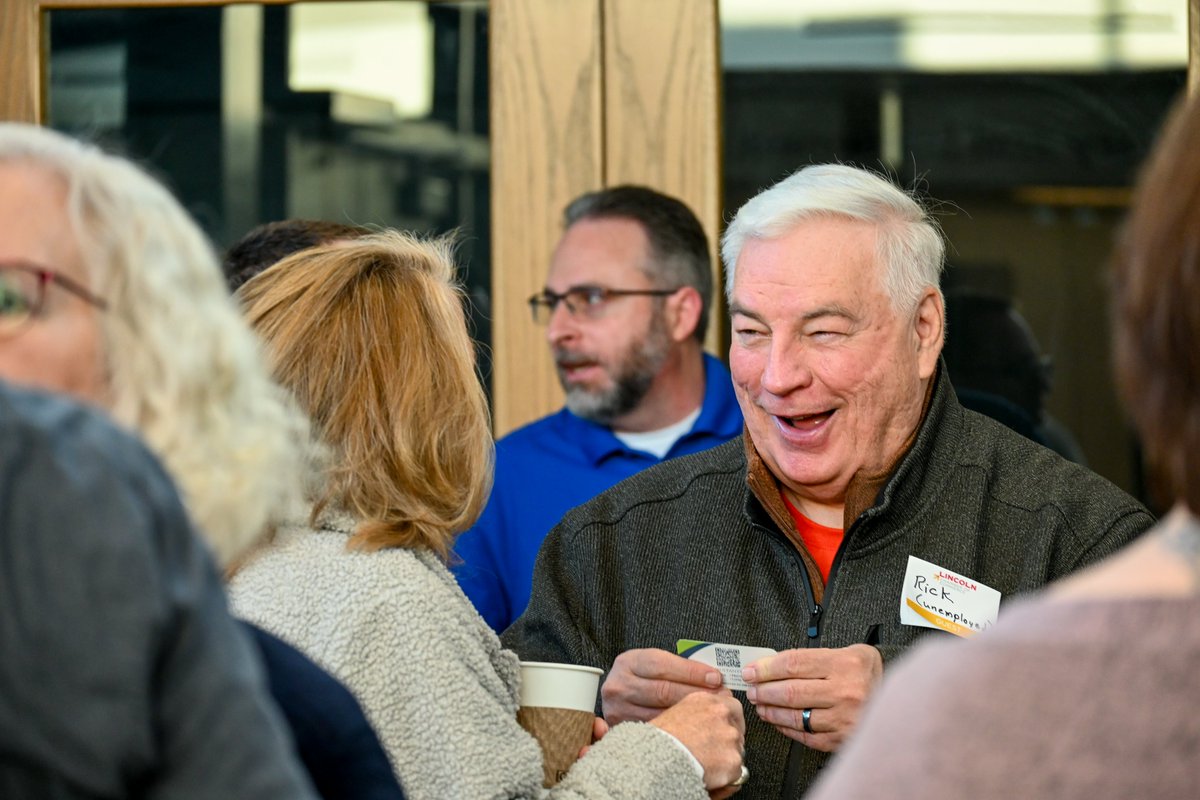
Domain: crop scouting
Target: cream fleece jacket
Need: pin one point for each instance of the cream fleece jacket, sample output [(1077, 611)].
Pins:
[(432, 677)]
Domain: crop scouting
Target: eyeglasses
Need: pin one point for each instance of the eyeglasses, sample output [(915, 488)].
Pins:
[(23, 293), (586, 302)]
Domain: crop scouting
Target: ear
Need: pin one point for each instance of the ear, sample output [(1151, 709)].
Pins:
[(682, 311), (929, 330)]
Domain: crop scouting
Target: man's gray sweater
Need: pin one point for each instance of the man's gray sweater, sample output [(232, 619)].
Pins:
[(685, 550)]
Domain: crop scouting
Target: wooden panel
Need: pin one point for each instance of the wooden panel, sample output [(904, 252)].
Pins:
[(662, 126), (546, 149), (1194, 46), (20, 61)]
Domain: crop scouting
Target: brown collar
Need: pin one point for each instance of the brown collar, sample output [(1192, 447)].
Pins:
[(765, 486), (860, 494)]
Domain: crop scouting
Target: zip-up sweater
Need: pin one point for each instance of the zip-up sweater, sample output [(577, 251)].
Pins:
[(686, 550)]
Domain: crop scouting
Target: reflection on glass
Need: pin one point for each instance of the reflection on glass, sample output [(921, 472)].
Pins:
[(939, 36), (373, 113), (1026, 119)]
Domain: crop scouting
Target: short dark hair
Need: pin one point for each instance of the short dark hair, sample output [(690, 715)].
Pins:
[(1156, 316), (679, 254), (265, 244)]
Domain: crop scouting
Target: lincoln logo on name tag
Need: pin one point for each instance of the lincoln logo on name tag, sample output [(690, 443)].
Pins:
[(938, 598)]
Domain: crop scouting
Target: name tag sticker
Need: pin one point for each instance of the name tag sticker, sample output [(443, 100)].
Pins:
[(729, 658), (938, 598)]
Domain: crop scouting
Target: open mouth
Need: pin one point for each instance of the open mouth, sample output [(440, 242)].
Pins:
[(806, 422), (571, 368)]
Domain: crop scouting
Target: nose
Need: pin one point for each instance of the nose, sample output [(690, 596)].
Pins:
[(561, 326), (786, 368)]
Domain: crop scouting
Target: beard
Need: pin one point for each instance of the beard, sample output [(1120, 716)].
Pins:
[(632, 374)]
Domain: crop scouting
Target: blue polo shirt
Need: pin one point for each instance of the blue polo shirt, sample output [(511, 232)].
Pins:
[(547, 468)]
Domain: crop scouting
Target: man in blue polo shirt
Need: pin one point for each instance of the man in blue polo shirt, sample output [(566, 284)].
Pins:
[(625, 307)]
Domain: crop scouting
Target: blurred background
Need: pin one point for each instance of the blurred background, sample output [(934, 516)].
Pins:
[(1024, 121)]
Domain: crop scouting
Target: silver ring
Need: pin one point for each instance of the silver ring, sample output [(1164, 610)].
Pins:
[(806, 720), (741, 780)]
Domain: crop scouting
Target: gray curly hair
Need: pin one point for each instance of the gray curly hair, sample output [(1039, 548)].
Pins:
[(183, 368)]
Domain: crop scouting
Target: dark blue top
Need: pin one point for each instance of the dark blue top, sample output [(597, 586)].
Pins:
[(547, 468), (335, 742)]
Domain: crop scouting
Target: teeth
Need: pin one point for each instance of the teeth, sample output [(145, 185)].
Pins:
[(803, 418)]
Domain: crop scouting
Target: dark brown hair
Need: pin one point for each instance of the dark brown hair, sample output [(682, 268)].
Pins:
[(678, 246), (273, 241), (1156, 308)]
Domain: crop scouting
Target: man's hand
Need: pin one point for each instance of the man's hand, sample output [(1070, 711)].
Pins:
[(832, 683), (711, 727), (642, 683)]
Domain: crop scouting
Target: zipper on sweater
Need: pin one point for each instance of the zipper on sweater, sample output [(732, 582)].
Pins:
[(815, 610), (814, 623), (837, 562), (796, 751)]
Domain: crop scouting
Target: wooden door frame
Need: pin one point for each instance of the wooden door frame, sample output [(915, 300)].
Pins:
[(626, 92), (1193, 46)]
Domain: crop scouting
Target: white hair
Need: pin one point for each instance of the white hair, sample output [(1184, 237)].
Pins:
[(910, 245), (183, 368)]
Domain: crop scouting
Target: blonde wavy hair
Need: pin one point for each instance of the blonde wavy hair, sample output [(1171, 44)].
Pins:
[(183, 368), (371, 337)]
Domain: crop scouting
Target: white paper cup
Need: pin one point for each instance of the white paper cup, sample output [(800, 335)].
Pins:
[(558, 704)]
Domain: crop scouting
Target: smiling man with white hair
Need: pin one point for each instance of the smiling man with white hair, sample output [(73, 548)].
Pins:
[(862, 508)]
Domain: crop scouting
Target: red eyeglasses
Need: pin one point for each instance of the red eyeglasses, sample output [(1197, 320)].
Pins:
[(23, 293)]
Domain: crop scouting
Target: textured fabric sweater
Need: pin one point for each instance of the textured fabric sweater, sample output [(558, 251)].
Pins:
[(686, 551), (1066, 699), (432, 677)]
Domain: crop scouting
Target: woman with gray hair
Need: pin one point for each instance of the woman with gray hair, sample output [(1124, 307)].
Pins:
[(110, 293), (114, 296)]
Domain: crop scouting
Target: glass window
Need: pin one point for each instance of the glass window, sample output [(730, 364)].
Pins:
[(371, 113), (1026, 120)]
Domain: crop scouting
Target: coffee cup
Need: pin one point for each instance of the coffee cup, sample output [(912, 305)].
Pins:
[(557, 706)]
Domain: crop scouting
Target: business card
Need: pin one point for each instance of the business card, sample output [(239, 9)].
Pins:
[(728, 658)]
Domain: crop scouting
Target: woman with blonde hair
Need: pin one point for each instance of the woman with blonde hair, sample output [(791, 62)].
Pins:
[(111, 293), (371, 337)]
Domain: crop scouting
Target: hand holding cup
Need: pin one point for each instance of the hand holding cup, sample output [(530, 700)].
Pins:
[(557, 707)]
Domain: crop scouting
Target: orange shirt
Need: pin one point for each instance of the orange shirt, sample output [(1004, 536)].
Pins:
[(822, 542)]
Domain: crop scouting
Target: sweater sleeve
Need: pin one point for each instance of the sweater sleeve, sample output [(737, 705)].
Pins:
[(414, 655), (473, 747), (635, 760), (1128, 524), (447, 714)]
